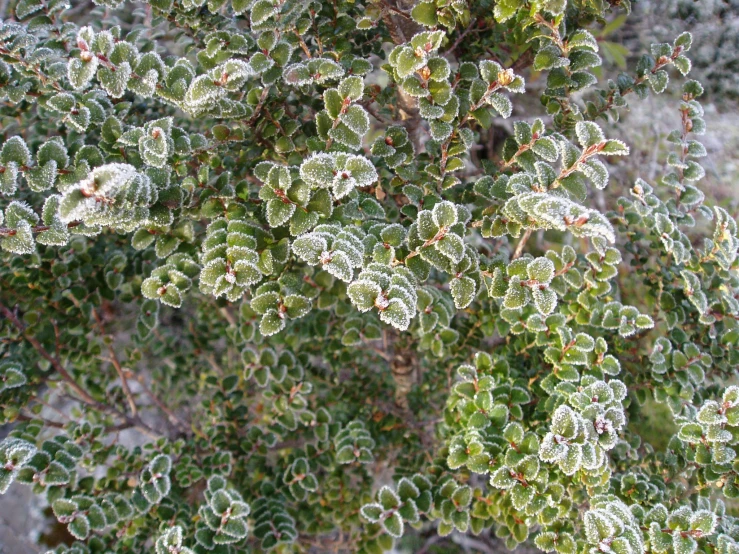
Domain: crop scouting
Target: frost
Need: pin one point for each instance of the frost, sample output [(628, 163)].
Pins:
[(555, 212), (340, 172), (15, 150), (588, 133), (396, 314), (112, 195), (114, 80)]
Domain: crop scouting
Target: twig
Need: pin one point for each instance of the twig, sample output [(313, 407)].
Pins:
[(260, 105), (373, 111), (162, 406), (117, 365), (460, 38), (303, 45), (83, 395), (520, 246), (6, 232)]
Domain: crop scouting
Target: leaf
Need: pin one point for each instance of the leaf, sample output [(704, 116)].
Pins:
[(463, 291), (501, 103), (15, 150), (351, 87), (372, 512), (545, 300), (356, 119), (114, 80), (546, 148), (339, 266), (396, 314), (541, 269), (363, 294), (424, 13), (393, 525), (505, 9), (516, 295), (451, 246), (444, 214), (262, 11), (588, 133), (279, 212), (80, 72), (615, 147), (309, 248), (21, 242)]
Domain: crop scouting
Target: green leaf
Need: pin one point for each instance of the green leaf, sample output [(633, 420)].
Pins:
[(262, 11), (114, 81), (279, 212), (501, 103), (541, 269), (363, 294), (463, 291), (452, 247), (352, 88), (79, 528), (372, 512), (272, 322), (393, 525), (588, 133), (444, 214), (425, 14), (615, 148)]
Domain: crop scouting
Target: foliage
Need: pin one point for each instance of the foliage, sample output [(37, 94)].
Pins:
[(263, 287)]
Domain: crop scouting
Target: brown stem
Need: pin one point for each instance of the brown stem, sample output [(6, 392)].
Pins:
[(260, 105), (173, 418), (6, 232), (82, 394), (521, 243), (117, 365), (460, 38)]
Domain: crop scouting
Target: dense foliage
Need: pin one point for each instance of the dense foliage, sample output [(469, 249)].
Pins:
[(268, 283)]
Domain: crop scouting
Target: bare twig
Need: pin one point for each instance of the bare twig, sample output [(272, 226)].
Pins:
[(173, 418), (367, 105), (6, 232), (82, 394), (117, 365), (460, 38), (521, 244), (260, 105)]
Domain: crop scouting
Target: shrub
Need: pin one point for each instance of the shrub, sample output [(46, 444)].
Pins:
[(267, 284)]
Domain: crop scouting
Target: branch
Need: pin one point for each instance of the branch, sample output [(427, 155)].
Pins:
[(6, 232), (460, 38), (83, 395), (260, 105), (173, 418), (117, 365), (519, 247), (367, 105)]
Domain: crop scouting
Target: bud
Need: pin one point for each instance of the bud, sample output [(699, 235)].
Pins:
[(505, 77)]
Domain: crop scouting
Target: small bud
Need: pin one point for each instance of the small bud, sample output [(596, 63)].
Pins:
[(381, 302), (505, 77), (325, 257)]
